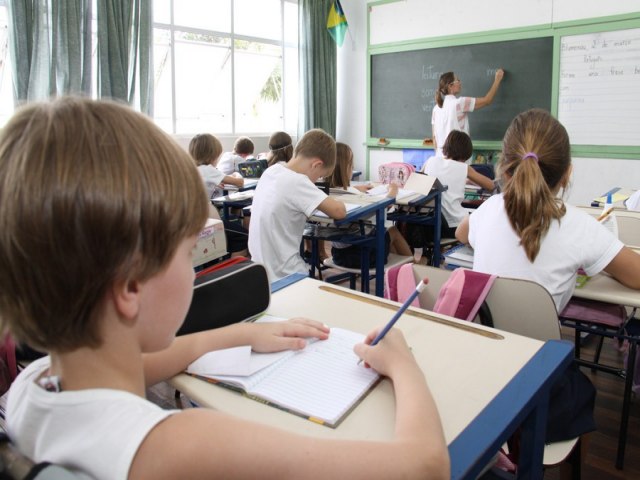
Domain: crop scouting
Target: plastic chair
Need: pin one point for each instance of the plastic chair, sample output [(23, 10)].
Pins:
[(521, 307)]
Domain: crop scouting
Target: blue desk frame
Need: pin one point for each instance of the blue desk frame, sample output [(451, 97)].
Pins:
[(523, 402), (379, 209)]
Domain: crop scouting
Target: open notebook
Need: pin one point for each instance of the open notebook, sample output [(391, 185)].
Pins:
[(322, 383)]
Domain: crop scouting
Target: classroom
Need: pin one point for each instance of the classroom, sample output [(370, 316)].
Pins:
[(486, 386)]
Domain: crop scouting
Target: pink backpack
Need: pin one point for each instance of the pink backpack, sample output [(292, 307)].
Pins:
[(397, 172), (461, 296)]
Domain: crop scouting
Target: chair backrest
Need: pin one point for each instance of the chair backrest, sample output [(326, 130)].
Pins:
[(628, 224), (517, 306)]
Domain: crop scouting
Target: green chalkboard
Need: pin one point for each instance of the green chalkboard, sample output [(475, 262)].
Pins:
[(403, 85)]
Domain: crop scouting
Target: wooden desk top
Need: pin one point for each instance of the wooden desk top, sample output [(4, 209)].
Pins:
[(466, 365)]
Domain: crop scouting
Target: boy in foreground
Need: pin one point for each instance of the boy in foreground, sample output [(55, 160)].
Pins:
[(95, 269)]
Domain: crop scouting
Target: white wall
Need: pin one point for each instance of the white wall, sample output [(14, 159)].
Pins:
[(420, 19)]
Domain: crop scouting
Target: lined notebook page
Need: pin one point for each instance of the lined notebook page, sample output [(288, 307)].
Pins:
[(324, 380)]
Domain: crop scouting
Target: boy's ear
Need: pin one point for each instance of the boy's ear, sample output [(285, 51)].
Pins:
[(317, 163), (126, 298)]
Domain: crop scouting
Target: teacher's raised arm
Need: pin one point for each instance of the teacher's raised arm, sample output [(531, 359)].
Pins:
[(450, 111)]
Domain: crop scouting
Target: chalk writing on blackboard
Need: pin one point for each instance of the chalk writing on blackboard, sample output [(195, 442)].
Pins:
[(599, 90)]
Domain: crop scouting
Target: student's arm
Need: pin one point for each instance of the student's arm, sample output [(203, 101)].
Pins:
[(263, 337), (462, 232), (480, 180), (227, 447), (363, 188), (625, 267), (488, 98), (333, 208), (233, 180)]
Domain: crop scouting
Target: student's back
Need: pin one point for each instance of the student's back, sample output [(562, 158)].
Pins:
[(242, 151), (282, 202), (527, 231)]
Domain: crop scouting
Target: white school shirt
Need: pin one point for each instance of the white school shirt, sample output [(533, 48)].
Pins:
[(95, 433), (212, 177), (451, 116), (576, 241), (229, 161), (282, 203), (453, 174)]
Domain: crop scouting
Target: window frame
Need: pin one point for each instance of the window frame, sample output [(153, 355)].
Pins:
[(172, 28)]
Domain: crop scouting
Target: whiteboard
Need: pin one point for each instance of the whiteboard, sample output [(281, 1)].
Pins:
[(599, 88)]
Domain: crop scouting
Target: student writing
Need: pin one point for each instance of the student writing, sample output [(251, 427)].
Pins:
[(453, 172), (451, 112), (285, 198), (280, 148), (528, 231), (205, 150), (347, 255), (114, 281), (242, 151)]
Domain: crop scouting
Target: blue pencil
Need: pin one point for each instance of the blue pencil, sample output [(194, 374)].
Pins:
[(399, 313)]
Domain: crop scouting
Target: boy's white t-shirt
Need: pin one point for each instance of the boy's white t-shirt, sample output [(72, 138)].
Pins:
[(228, 162), (282, 203), (576, 241), (212, 177), (95, 432), (453, 174)]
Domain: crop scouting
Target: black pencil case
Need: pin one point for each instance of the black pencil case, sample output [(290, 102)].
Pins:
[(226, 296)]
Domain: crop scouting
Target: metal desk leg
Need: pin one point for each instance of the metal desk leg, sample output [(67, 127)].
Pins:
[(624, 422), (437, 234), (380, 232)]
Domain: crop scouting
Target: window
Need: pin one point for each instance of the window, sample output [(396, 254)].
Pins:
[(226, 66), (6, 82)]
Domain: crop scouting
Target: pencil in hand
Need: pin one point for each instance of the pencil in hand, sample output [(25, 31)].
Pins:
[(605, 214)]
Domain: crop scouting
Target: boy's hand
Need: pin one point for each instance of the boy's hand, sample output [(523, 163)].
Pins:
[(289, 335)]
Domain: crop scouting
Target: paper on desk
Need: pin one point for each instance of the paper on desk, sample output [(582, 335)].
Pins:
[(239, 361), (349, 207), (383, 190)]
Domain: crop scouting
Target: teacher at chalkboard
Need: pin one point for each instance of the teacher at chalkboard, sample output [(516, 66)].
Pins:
[(450, 111)]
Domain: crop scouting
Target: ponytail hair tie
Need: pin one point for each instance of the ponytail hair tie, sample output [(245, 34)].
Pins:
[(530, 155)]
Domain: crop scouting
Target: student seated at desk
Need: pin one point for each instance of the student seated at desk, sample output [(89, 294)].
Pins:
[(347, 255), (280, 148), (452, 171), (242, 151), (206, 150), (285, 198), (114, 282), (528, 231)]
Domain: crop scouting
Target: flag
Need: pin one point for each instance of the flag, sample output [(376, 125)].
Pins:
[(337, 23)]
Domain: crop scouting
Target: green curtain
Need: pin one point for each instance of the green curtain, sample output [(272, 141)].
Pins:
[(125, 52), (318, 82), (50, 47)]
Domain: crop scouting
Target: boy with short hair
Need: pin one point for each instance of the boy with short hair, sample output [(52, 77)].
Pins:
[(285, 198), (242, 151), (98, 229)]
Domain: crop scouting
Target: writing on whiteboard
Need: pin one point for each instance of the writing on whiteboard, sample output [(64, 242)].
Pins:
[(599, 91)]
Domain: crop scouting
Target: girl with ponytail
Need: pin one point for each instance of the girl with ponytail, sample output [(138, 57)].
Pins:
[(450, 112), (528, 231)]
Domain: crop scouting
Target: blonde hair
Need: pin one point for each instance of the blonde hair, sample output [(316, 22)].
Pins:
[(280, 148), (205, 149), (536, 156), (317, 143), (341, 175), (85, 203)]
